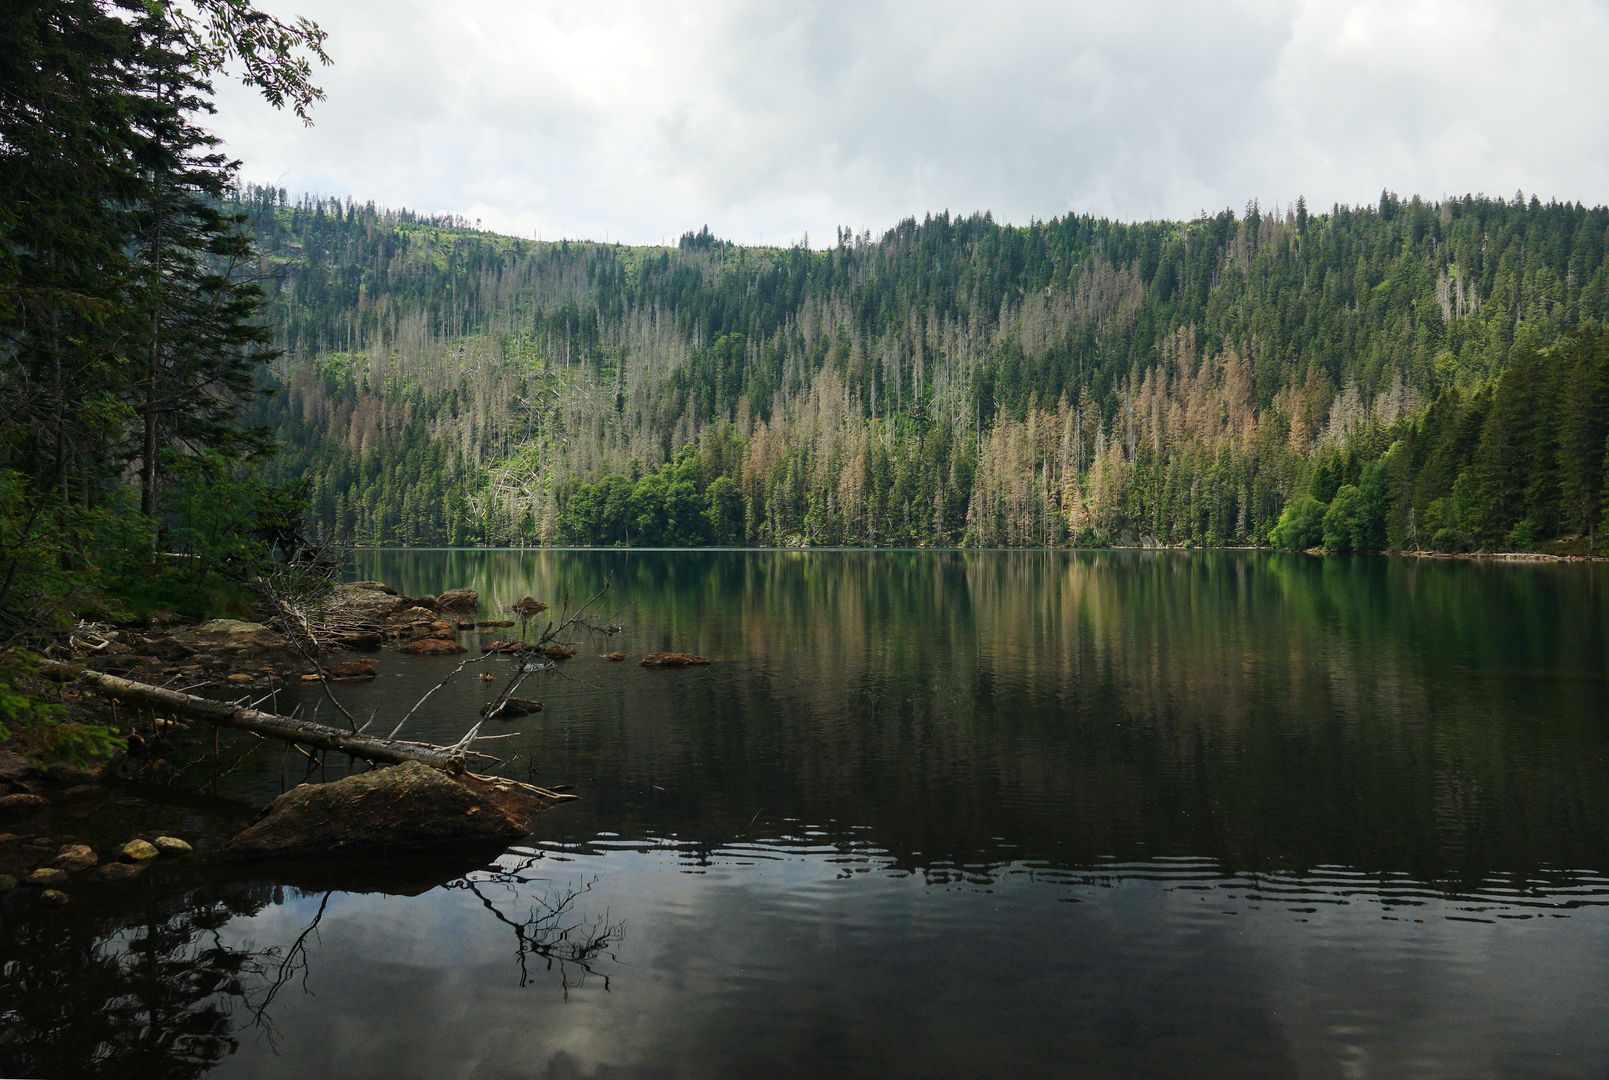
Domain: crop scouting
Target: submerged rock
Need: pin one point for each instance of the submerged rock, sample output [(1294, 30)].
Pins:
[(404, 806), (7, 883), (616, 657), (512, 709), (120, 871), (672, 660), (350, 670), (55, 896)]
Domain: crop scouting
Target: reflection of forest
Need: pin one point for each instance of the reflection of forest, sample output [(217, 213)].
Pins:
[(1429, 717), (152, 982)]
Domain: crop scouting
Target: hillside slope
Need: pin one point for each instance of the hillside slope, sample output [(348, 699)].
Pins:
[(955, 381)]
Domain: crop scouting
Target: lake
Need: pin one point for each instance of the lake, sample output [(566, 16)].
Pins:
[(1143, 814)]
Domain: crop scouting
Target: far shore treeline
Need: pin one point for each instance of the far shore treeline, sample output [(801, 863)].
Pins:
[(1407, 375)]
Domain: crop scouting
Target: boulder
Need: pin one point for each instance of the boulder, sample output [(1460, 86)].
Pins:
[(172, 845), (529, 607), (138, 851), (75, 858), (672, 660), (458, 600), (501, 646), (365, 602), (432, 646), (554, 651), (405, 806), (22, 802)]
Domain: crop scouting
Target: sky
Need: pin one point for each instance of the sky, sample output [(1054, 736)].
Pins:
[(775, 121)]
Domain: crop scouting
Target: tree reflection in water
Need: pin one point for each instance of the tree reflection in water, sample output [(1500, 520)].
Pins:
[(552, 930), (145, 983)]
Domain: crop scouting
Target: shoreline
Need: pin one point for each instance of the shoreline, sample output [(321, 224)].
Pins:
[(1475, 556)]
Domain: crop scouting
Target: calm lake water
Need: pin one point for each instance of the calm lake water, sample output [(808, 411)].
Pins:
[(1133, 814)]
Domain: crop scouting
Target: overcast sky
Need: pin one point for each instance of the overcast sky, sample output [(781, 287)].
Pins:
[(636, 121)]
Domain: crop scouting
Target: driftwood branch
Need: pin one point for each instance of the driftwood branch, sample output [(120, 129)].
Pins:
[(290, 729)]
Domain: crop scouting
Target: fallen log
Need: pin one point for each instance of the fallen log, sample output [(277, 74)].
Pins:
[(271, 725)]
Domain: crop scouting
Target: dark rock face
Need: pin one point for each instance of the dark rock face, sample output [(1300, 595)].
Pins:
[(405, 806)]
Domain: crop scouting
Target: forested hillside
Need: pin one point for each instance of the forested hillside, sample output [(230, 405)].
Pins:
[(1411, 374)]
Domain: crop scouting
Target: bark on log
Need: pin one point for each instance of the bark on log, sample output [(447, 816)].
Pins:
[(271, 725)]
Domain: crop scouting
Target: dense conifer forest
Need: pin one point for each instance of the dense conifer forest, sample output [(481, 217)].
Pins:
[(1411, 375)]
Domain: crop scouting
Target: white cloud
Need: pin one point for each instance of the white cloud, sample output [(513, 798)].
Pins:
[(636, 121)]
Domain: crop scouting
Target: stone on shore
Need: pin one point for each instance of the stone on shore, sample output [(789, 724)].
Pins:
[(75, 858), (22, 802), (138, 851), (171, 845)]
